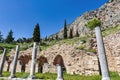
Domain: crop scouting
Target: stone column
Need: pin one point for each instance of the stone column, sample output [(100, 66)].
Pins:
[(102, 54), (46, 67), (13, 71), (59, 73), (2, 62), (32, 70)]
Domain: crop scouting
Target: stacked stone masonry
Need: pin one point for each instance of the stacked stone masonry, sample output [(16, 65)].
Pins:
[(76, 61)]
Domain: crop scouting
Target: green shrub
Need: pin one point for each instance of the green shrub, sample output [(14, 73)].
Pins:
[(93, 23), (114, 74), (1, 51), (22, 75), (83, 41), (8, 46), (111, 30), (6, 74), (23, 48), (91, 50), (81, 47)]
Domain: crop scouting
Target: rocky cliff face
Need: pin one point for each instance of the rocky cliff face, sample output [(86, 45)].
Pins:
[(109, 14), (114, 0)]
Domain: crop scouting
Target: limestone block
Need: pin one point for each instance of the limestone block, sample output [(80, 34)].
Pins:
[(118, 62), (95, 62), (90, 62), (94, 58), (89, 67), (96, 67), (117, 58)]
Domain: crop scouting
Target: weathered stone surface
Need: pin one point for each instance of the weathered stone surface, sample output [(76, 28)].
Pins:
[(109, 14), (79, 61)]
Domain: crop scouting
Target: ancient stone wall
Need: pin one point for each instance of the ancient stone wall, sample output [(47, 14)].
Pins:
[(79, 61), (112, 45)]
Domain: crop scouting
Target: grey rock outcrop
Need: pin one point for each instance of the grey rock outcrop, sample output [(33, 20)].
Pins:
[(109, 14), (114, 0)]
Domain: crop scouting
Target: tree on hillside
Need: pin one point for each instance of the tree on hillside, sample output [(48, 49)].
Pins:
[(9, 38), (95, 23), (28, 40), (20, 40), (65, 30), (56, 37), (46, 38), (1, 38), (77, 34), (52, 38), (36, 33), (71, 33)]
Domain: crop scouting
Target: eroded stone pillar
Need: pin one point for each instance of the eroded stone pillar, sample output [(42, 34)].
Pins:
[(46, 67), (59, 72), (2, 61), (13, 71), (102, 54), (32, 70)]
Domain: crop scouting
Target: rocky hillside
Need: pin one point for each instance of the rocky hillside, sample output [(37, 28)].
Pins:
[(109, 14)]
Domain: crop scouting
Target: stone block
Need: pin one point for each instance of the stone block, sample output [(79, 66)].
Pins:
[(118, 62), (96, 67)]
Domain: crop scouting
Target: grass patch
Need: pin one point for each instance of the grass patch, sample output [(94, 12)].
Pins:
[(46, 76), (114, 76), (75, 40), (91, 50), (7, 46), (6, 74), (53, 76), (80, 77), (111, 30), (23, 46), (1, 51), (22, 75), (81, 47), (18, 74)]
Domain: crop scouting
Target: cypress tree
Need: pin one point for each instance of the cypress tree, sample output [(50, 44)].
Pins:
[(52, 38), (71, 33), (46, 38), (65, 30), (77, 34), (36, 33), (56, 37), (1, 38), (9, 38)]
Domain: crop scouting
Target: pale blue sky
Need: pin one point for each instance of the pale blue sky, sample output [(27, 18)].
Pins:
[(22, 15)]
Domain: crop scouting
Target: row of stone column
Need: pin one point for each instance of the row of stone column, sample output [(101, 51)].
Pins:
[(32, 69)]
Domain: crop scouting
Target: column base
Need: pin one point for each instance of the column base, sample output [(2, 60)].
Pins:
[(10, 77), (59, 79), (1, 75), (106, 78), (31, 77)]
